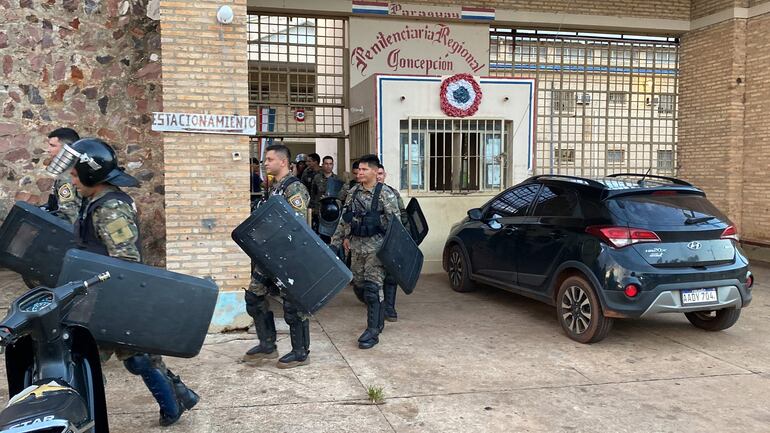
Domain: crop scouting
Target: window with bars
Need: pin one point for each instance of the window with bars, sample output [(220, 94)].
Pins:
[(454, 155), (297, 63), (631, 83), (665, 160)]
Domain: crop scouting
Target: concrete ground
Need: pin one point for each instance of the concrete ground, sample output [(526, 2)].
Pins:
[(487, 361)]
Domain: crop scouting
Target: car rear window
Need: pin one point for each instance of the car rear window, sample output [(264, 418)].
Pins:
[(664, 209)]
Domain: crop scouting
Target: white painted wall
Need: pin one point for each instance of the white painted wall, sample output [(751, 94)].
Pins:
[(421, 100)]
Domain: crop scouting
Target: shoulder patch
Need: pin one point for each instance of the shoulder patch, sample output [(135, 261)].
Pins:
[(119, 230), (65, 191), (296, 201)]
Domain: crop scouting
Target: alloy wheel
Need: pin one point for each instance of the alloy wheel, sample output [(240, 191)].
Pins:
[(576, 309)]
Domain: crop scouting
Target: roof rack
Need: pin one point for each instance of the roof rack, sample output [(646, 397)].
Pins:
[(590, 182), (652, 176)]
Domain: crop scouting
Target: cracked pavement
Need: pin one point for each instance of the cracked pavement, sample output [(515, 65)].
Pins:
[(484, 361)]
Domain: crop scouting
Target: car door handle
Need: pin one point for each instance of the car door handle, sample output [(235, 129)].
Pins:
[(510, 230)]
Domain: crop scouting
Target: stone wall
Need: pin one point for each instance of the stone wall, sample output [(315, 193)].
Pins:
[(93, 65)]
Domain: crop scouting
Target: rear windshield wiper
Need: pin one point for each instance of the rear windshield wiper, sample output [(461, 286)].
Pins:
[(698, 220)]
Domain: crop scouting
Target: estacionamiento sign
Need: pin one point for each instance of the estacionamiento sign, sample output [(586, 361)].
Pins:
[(204, 123), (419, 48)]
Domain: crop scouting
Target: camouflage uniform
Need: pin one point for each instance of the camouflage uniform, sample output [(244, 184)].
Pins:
[(257, 305), (364, 262), (346, 190), (64, 200), (368, 272), (307, 178), (318, 191)]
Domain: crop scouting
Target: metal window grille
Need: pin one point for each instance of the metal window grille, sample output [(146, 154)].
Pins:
[(297, 75), (596, 94), (454, 155), (359, 140)]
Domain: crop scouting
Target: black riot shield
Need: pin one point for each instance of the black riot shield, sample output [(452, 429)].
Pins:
[(287, 251), (418, 225), (333, 187), (330, 208), (141, 308), (400, 256), (33, 243), (329, 216)]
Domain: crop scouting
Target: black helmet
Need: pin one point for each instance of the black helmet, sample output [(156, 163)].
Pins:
[(97, 163)]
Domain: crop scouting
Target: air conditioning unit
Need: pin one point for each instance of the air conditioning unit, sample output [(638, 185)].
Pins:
[(583, 98)]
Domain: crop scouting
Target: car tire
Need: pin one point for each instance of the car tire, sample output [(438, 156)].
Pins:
[(458, 270), (585, 323), (715, 320)]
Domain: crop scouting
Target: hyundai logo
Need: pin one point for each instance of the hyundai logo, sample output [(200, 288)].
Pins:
[(694, 245)]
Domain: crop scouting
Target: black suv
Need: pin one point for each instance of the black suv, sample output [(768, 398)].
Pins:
[(624, 246)]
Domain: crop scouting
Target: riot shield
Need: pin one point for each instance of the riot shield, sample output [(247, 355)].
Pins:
[(141, 308), (418, 225), (287, 251), (333, 187), (400, 256), (329, 216), (33, 243)]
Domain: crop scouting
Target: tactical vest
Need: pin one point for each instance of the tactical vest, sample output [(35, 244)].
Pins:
[(366, 223), (85, 236)]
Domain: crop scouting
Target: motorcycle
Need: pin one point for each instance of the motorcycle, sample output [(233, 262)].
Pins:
[(52, 366)]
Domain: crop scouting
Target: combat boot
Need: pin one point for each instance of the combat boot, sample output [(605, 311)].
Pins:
[(389, 289), (300, 345), (374, 319)]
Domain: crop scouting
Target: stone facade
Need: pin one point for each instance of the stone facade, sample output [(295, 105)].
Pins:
[(91, 65)]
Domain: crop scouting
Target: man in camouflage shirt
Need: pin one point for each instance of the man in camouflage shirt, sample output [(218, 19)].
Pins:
[(64, 199), (313, 168), (277, 157), (318, 188), (368, 210), (389, 286), (107, 224)]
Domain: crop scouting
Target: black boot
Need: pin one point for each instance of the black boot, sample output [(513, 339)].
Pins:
[(264, 324), (187, 397), (160, 385), (374, 318), (299, 332), (389, 289)]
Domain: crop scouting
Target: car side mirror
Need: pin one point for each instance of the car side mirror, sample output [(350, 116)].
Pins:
[(475, 214)]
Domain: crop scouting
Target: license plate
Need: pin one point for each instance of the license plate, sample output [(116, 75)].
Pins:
[(699, 296)]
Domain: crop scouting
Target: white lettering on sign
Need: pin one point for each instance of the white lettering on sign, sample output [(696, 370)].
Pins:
[(204, 123)]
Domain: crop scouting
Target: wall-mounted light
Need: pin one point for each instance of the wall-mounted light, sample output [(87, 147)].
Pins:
[(505, 99), (225, 14), (357, 109), (403, 98)]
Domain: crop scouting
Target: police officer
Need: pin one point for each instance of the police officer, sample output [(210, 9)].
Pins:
[(351, 183), (390, 285), (300, 163), (318, 188), (313, 168), (369, 208), (107, 224), (276, 162), (64, 199)]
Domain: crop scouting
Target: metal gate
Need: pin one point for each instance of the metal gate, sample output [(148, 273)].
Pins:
[(606, 103), (297, 75)]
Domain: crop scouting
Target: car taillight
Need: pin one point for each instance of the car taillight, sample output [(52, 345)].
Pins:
[(619, 237), (731, 233), (749, 281)]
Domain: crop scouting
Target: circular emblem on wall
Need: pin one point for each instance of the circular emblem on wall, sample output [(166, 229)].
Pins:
[(299, 115), (460, 96)]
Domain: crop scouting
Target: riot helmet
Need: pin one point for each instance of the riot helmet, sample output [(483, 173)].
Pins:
[(95, 162)]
